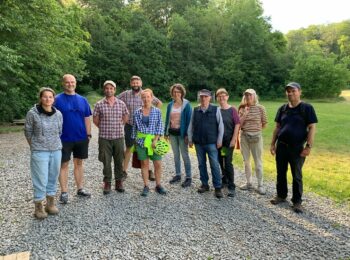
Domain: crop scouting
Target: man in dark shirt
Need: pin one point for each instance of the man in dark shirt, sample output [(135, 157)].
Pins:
[(295, 126)]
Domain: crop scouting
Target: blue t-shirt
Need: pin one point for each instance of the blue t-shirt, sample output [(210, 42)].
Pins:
[(74, 109), (293, 123)]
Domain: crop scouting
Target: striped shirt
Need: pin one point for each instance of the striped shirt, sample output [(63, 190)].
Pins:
[(111, 118), (133, 102), (255, 118)]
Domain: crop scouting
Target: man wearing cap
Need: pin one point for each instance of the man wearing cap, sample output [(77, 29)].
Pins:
[(110, 115), (292, 140), (132, 100), (206, 132), (75, 135)]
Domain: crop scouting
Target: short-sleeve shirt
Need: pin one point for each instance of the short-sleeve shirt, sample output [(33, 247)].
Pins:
[(255, 119), (74, 109), (133, 102), (230, 119), (293, 123), (111, 125)]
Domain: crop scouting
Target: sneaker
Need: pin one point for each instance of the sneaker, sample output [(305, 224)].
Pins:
[(125, 175), (247, 186), (119, 186), (175, 179), (83, 193), (218, 193), (151, 175), (63, 198), (277, 200), (145, 191), (160, 190), (261, 190), (187, 183), (106, 188), (231, 193), (297, 208), (203, 188)]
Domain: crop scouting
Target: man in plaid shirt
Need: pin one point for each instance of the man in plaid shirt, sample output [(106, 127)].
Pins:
[(110, 115), (132, 99)]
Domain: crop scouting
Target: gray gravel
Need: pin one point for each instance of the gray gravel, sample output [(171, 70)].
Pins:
[(181, 225)]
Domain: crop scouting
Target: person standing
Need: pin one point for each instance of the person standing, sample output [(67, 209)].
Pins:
[(231, 128), (206, 131), (292, 140), (253, 119), (110, 115), (75, 135), (178, 116), (43, 127), (133, 101)]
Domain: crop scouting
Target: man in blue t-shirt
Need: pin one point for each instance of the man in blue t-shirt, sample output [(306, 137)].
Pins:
[(292, 141), (75, 135)]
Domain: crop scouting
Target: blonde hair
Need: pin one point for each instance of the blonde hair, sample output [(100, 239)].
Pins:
[(147, 90), (244, 100), (179, 87), (44, 89), (221, 91)]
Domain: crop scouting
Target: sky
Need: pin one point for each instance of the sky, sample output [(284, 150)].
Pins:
[(294, 14)]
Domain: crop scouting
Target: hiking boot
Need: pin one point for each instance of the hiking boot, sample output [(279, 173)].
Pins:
[(50, 205), (187, 183), (145, 191), (231, 192), (106, 188), (247, 186), (261, 190), (160, 190), (119, 186), (39, 212), (175, 179), (125, 175), (277, 200), (297, 208), (203, 188), (151, 175), (63, 198), (218, 193), (83, 193)]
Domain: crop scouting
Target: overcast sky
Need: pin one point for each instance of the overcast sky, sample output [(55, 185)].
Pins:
[(293, 14)]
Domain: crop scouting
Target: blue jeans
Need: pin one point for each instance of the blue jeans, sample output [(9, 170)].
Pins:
[(45, 168), (212, 152), (178, 146)]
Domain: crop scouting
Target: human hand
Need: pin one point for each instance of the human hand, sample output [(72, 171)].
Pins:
[(218, 146), (305, 152), (273, 149), (190, 144)]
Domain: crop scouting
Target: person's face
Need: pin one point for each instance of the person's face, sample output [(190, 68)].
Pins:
[(47, 99), (222, 99), (176, 94), (136, 84), (69, 84), (146, 98), (249, 98), (293, 94), (205, 100), (109, 90)]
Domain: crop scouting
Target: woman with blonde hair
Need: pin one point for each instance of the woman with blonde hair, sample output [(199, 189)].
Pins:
[(253, 119)]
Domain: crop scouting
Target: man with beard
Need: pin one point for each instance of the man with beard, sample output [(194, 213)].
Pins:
[(132, 99), (110, 115)]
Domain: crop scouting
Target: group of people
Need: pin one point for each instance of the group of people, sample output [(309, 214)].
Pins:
[(130, 124)]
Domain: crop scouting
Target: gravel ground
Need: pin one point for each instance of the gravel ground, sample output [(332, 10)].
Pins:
[(181, 225)]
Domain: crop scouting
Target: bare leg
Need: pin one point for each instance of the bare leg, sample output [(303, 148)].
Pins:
[(63, 178), (127, 156), (158, 171), (78, 173), (144, 171)]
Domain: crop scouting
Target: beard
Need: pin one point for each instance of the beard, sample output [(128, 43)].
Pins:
[(136, 89)]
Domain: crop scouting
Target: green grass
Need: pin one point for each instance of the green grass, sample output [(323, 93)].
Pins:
[(8, 128)]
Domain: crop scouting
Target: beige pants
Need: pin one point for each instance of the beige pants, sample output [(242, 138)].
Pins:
[(256, 149)]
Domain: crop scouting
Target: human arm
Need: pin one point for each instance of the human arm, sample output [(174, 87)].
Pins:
[(156, 102), (220, 128), (88, 126), (243, 112), (309, 140), (28, 127), (190, 131), (274, 138)]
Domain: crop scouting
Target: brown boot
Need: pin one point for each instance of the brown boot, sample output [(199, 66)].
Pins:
[(39, 210), (119, 186), (51, 205)]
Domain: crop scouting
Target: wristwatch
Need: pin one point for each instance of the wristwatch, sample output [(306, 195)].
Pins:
[(89, 135), (308, 146)]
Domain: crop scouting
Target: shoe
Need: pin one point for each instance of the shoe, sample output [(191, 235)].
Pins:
[(50, 207), (277, 200), (297, 208), (39, 212), (160, 190), (203, 188), (218, 193), (119, 186), (151, 175), (125, 175), (63, 198), (231, 193), (187, 183), (106, 188), (175, 179), (261, 190), (83, 193), (145, 191), (247, 186)]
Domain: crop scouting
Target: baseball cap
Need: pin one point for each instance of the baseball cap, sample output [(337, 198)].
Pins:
[(135, 77), (205, 92), (293, 85), (250, 91), (109, 82)]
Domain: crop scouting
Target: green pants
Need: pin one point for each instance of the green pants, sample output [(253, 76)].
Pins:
[(108, 149)]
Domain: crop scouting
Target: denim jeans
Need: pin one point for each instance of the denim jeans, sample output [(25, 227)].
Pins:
[(178, 146), (45, 168), (212, 152)]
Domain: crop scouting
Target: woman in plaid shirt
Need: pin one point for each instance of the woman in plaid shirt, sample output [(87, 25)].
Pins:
[(148, 127)]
